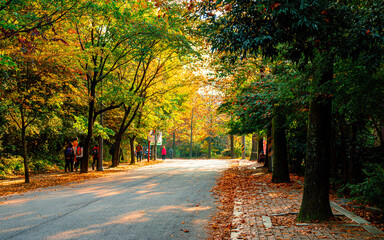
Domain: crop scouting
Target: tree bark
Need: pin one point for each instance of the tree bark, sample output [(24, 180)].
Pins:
[(254, 148), (123, 128), (268, 155), (209, 148), (315, 204), (260, 146), (174, 144), (24, 145), (116, 150), (132, 146), (280, 158), (87, 141)]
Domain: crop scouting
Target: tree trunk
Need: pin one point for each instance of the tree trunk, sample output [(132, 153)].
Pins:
[(209, 148), (232, 146), (87, 141), (132, 146), (269, 154), (24, 145), (174, 144), (260, 146), (315, 204), (254, 148), (334, 158), (101, 154), (119, 136), (116, 150), (280, 158)]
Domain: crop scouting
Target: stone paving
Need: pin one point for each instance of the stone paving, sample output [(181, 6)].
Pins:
[(268, 212)]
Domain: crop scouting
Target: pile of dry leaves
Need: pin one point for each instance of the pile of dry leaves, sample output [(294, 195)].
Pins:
[(225, 192)]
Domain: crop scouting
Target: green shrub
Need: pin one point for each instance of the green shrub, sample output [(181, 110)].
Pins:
[(13, 165), (41, 166), (371, 189)]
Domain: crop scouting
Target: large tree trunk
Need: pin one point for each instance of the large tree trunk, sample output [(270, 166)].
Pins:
[(315, 204), (232, 146), (116, 150), (119, 136), (260, 146), (87, 141), (132, 146), (101, 154), (269, 164), (254, 148), (24, 145), (280, 158)]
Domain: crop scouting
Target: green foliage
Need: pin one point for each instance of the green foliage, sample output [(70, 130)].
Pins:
[(371, 189), (13, 165), (41, 165), (81, 128)]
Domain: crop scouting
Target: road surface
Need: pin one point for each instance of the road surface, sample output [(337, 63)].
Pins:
[(171, 200)]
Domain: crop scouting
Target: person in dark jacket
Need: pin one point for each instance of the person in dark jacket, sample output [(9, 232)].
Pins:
[(69, 156)]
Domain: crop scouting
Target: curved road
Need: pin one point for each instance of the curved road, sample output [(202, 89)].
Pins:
[(171, 200)]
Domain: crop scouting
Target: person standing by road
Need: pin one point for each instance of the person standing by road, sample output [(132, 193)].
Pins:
[(69, 154), (170, 151), (139, 152), (163, 152), (79, 155), (75, 143), (95, 156)]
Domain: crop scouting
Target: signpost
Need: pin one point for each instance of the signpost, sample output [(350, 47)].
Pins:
[(154, 137)]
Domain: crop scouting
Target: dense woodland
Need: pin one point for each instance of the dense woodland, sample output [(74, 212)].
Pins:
[(305, 77)]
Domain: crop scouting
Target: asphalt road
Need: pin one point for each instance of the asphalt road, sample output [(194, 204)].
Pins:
[(171, 200)]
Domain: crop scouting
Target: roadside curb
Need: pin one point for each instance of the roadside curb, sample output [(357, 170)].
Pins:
[(360, 221)]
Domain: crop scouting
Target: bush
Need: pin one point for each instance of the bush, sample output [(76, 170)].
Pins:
[(41, 166), (371, 189), (9, 166)]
